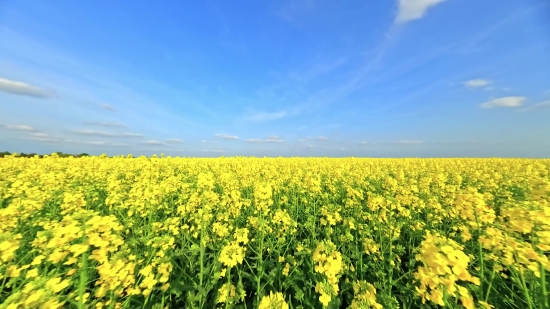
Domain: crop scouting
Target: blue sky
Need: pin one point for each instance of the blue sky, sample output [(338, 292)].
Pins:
[(405, 78)]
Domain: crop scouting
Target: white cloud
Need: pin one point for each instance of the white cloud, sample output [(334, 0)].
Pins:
[(46, 139), (214, 151), (131, 135), (291, 10), (17, 127), (105, 124), (101, 143), (270, 139), (409, 142), (203, 141), (39, 134), (106, 134), (254, 140), (94, 133), (174, 141), (153, 142), (95, 143), (317, 70), (409, 10), (108, 107), (474, 83), (20, 88), (504, 102), (301, 140), (227, 136), (545, 104), (321, 138), (264, 116)]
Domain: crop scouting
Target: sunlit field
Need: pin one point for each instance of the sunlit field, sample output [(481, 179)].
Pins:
[(98, 232)]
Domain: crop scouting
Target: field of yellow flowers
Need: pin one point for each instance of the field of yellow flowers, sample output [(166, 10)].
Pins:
[(99, 232)]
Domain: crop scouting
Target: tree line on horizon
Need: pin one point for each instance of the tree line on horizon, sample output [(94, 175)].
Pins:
[(32, 155)]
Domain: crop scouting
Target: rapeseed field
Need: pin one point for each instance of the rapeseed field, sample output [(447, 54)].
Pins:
[(99, 232)]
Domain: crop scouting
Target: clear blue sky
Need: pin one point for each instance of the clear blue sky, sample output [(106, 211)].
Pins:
[(421, 78)]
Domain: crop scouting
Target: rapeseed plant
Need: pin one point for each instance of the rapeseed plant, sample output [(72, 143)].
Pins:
[(99, 232)]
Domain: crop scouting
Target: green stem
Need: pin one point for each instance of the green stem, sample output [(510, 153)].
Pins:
[(490, 285), (525, 290), (229, 286), (545, 295), (260, 260), (83, 279), (481, 262)]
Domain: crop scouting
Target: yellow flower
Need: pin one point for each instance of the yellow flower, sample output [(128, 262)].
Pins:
[(32, 273), (286, 269), (232, 254), (56, 285), (324, 299), (485, 305), (273, 301)]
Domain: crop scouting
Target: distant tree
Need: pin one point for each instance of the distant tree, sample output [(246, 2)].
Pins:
[(5, 154), (83, 155)]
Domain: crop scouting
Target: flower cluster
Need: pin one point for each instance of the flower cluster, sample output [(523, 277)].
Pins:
[(328, 262), (444, 265)]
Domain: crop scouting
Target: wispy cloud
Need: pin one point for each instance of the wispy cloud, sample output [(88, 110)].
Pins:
[(47, 139), (105, 124), (106, 134), (101, 143), (254, 141), (214, 151), (174, 141), (95, 133), (131, 135), (321, 138), (39, 134), (227, 136), (291, 9), (266, 116), (475, 83), (317, 70), (409, 142), (541, 105), (20, 88), (154, 142), (107, 107), (44, 138), (504, 102), (17, 127), (409, 10), (545, 104)]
